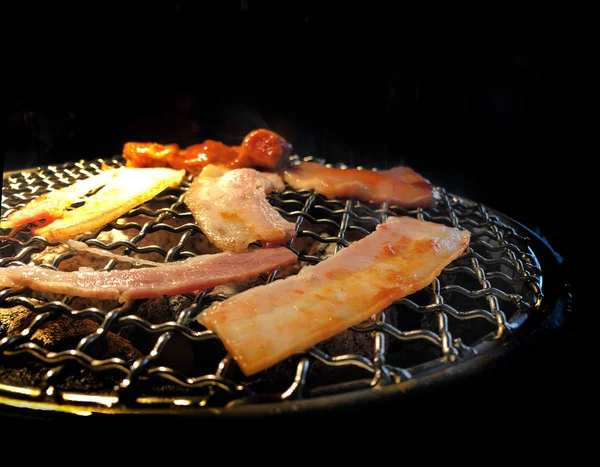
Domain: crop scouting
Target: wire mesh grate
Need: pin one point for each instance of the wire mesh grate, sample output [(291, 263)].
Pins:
[(70, 350)]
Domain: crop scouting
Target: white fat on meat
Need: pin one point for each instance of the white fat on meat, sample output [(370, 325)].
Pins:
[(232, 210), (268, 323), (187, 276)]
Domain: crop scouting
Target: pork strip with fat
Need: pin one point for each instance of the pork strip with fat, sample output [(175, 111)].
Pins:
[(231, 208), (191, 275), (92, 202), (401, 186), (266, 324)]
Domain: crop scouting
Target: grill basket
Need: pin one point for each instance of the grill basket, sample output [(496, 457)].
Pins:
[(68, 354)]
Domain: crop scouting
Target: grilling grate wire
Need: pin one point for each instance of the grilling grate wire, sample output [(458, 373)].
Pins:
[(167, 359)]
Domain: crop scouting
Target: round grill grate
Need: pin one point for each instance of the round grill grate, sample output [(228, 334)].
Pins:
[(72, 354)]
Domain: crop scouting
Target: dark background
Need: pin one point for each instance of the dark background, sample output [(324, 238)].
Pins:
[(486, 123)]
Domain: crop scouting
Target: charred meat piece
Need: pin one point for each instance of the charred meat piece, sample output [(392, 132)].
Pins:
[(259, 148), (64, 333)]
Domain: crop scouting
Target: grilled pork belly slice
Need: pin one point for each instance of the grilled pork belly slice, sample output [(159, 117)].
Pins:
[(266, 324), (231, 208), (91, 203), (191, 275), (401, 186)]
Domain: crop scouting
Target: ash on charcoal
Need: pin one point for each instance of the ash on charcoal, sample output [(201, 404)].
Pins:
[(179, 353), (156, 311), (307, 246), (237, 287), (81, 303), (197, 243), (8, 315), (22, 371), (348, 342), (80, 379), (209, 395), (157, 387), (64, 333), (26, 371)]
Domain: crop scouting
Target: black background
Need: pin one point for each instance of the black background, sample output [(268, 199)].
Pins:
[(487, 123)]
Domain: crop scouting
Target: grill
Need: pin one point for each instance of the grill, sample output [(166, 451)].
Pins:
[(68, 354)]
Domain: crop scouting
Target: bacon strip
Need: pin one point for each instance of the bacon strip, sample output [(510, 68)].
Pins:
[(91, 203), (191, 275), (266, 324), (400, 185), (231, 208)]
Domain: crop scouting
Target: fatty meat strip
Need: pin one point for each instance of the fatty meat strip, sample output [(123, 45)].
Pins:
[(190, 275), (93, 202), (264, 325), (231, 208), (401, 186)]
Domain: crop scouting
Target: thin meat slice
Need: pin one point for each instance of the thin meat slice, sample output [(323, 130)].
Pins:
[(191, 275), (93, 202), (266, 324), (401, 186), (231, 208)]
